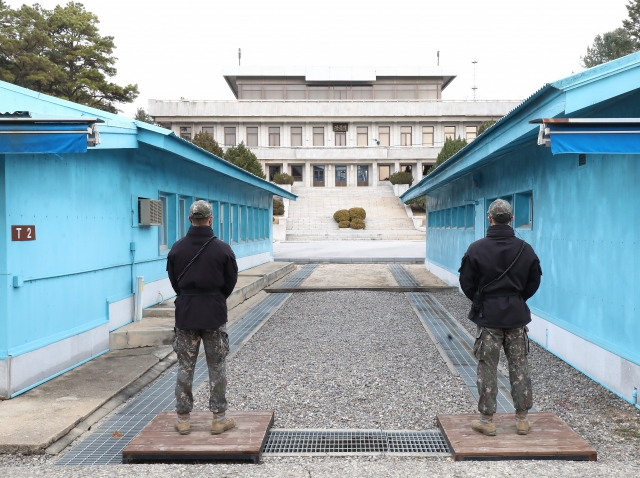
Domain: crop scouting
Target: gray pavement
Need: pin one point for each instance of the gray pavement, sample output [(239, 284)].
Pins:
[(379, 251)]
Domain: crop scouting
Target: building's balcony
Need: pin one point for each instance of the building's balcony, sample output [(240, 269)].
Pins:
[(371, 153), (308, 110)]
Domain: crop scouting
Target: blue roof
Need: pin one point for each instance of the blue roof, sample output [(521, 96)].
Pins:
[(118, 132), (572, 95)]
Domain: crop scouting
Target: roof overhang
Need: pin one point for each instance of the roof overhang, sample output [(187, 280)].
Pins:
[(48, 135)]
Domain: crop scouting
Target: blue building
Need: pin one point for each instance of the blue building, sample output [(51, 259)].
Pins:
[(568, 161), (88, 201)]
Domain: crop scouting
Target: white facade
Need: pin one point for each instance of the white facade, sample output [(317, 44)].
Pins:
[(332, 127)]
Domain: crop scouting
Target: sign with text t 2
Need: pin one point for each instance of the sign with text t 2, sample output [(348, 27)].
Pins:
[(23, 233)]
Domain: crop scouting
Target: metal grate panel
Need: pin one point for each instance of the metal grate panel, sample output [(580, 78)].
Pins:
[(304, 272), (403, 276), (353, 442), (101, 448)]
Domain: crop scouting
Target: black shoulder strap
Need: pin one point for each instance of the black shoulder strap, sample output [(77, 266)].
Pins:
[(508, 268), (194, 258)]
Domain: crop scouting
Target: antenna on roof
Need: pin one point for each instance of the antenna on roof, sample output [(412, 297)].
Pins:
[(239, 54), (474, 87), (438, 57)]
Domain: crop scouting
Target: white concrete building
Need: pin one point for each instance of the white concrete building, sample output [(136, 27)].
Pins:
[(332, 127)]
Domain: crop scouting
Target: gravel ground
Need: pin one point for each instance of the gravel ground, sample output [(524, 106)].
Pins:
[(609, 423), (344, 360)]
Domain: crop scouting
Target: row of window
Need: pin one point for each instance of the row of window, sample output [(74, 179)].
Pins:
[(362, 135), (463, 217), (232, 223), (384, 171), (361, 92)]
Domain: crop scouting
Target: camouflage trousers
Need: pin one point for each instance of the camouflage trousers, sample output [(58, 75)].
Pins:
[(487, 351), (216, 347)]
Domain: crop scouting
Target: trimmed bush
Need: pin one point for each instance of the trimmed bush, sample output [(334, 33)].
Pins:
[(401, 177), (283, 178), (343, 224), (341, 215), (278, 207), (357, 213), (420, 203), (357, 224)]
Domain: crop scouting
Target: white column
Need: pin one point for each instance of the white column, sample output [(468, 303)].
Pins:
[(396, 165), (374, 173), (307, 174), (418, 174)]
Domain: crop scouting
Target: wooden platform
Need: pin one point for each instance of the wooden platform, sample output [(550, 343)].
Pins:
[(159, 441), (549, 439)]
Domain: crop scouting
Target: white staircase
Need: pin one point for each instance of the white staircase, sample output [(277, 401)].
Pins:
[(311, 216)]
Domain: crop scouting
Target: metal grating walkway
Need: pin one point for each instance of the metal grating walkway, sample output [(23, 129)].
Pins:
[(102, 448), (354, 442), (454, 341)]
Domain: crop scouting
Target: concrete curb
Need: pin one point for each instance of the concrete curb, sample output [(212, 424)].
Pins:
[(286, 290), (361, 260)]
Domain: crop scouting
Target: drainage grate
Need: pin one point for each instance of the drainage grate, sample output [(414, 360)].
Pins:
[(102, 448), (403, 277), (353, 442), (304, 272)]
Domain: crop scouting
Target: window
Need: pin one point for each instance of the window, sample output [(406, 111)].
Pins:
[(470, 216), (385, 92), (221, 220), (208, 130), (363, 135), (407, 168), (252, 136), (341, 139), (384, 135), (251, 92), (163, 231), (185, 132), (425, 169), (461, 217), (406, 92), (405, 135), (241, 224), (384, 172), (273, 92), (233, 224), (230, 136), (318, 136), (182, 217), (427, 136), (449, 132), (318, 92), (362, 92), (523, 210), (471, 133), (296, 172), (340, 92), (427, 92), (274, 136), (296, 92), (296, 136)]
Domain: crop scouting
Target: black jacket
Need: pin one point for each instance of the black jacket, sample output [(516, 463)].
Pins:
[(505, 300), (215, 268)]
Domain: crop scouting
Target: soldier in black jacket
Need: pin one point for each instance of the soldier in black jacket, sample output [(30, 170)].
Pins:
[(203, 272), (501, 313)]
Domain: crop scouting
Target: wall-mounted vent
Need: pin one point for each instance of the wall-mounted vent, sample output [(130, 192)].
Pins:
[(149, 212), (582, 160)]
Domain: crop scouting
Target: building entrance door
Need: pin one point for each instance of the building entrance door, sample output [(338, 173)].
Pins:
[(363, 175), (273, 170), (341, 176), (318, 176)]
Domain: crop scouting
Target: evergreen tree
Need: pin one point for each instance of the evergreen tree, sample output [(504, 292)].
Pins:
[(206, 142), (609, 46), (142, 115), (485, 126), (451, 147), (60, 52), (245, 159), (632, 24)]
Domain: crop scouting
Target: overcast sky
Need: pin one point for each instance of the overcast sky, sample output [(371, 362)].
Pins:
[(178, 49)]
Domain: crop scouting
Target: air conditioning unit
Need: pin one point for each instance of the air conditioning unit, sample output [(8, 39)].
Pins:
[(149, 212)]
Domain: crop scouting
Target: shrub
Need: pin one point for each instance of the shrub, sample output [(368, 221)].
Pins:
[(357, 224), (283, 178), (420, 203), (278, 207), (357, 213), (401, 177), (343, 224), (341, 215)]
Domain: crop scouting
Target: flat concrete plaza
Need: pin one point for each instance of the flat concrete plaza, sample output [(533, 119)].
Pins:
[(372, 251)]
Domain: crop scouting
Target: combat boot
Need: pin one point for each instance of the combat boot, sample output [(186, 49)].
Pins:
[(485, 425), (221, 424), (522, 424), (183, 424)]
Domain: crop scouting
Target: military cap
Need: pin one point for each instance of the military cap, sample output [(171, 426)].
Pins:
[(200, 210), (501, 210)]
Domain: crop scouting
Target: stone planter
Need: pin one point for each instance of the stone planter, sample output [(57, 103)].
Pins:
[(400, 189)]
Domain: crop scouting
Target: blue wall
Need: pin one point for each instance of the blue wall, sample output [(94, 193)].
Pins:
[(585, 231), (84, 207)]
